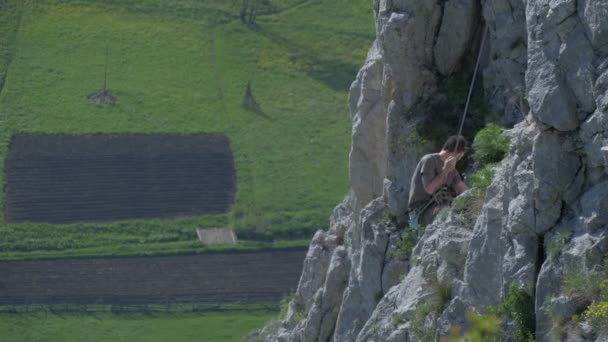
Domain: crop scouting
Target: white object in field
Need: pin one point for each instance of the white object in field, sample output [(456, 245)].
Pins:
[(216, 236)]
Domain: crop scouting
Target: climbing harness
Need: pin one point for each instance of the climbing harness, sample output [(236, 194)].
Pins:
[(441, 197)]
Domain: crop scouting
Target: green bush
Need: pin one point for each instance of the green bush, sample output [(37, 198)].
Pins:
[(484, 328), (284, 303), (418, 326), (574, 281), (604, 290), (490, 145), (429, 311), (469, 206), (597, 314), (519, 307), (581, 284), (423, 323), (482, 179), (442, 293), (589, 290), (284, 306), (405, 244)]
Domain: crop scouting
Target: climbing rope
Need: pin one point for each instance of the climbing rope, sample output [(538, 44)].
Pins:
[(466, 106)]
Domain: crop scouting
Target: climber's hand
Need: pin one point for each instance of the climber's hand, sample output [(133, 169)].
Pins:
[(449, 165)]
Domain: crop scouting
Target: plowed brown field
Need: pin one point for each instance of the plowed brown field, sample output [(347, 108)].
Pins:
[(245, 277), (66, 179)]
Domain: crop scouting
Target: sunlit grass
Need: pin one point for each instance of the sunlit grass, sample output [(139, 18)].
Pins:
[(153, 326), (182, 67)]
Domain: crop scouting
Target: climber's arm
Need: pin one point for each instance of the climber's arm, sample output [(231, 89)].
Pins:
[(436, 183), (460, 187), (432, 185)]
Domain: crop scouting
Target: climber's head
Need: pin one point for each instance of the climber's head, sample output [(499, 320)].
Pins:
[(456, 145)]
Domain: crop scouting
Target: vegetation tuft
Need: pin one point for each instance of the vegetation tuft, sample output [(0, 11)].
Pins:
[(468, 206), (597, 312), (442, 292), (409, 236), (484, 328), (519, 307), (284, 303), (590, 291), (580, 284), (557, 243), (489, 145), (423, 324)]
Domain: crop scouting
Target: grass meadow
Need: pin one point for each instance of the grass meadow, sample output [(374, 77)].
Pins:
[(182, 66), (230, 326)]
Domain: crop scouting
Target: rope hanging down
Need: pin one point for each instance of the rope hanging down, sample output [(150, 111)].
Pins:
[(466, 106)]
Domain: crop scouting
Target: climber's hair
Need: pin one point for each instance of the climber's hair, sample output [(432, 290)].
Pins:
[(456, 140)]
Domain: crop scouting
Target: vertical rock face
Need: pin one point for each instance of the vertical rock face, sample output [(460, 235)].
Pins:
[(367, 154), (545, 70), (454, 38), (503, 75)]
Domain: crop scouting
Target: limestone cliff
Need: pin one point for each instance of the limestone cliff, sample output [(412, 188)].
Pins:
[(545, 71)]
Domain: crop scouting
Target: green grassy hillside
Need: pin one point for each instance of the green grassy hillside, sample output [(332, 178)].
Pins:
[(182, 67)]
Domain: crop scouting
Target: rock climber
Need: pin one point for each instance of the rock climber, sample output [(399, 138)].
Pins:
[(435, 181)]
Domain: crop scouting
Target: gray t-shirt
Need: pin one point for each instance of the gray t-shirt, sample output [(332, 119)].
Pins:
[(427, 169)]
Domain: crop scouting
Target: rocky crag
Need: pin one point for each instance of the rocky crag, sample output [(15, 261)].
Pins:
[(545, 71)]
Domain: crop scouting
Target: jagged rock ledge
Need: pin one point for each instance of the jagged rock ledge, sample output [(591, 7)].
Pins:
[(546, 72)]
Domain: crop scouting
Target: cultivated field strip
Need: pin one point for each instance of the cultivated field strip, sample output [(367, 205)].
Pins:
[(66, 179), (246, 277)]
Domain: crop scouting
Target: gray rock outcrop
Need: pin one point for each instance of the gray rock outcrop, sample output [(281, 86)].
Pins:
[(545, 71)]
